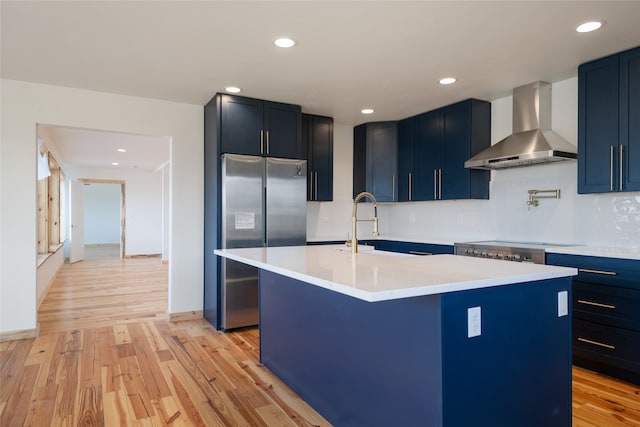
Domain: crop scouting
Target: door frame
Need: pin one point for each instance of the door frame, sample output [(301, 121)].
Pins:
[(122, 206)]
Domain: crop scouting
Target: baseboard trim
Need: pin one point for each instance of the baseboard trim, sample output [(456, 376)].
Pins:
[(186, 315), (19, 335)]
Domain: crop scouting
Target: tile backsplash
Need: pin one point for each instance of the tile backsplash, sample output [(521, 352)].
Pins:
[(596, 219)]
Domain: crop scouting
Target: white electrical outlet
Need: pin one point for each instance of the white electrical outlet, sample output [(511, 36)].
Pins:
[(563, 303), (474, 322), (412, 217)]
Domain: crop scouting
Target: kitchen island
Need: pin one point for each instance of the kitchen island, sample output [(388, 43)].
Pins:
[(385, 339)]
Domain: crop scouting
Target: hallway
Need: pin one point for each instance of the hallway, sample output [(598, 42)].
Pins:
[(105, 291)]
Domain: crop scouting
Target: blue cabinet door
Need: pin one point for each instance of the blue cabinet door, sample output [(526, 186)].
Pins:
[(282, 130), (240, 125), (260, 128), (630, 119), (455, 151), (428, 156), (375, 164), (405, 160), (466, 132), (444, 139), (598, 100), (322, 158), (382, 151)]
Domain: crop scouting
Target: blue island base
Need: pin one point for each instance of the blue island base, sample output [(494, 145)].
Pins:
[(410, 362)]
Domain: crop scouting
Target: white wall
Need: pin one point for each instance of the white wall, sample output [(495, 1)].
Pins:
[(101, 213), (143, 205), (23, 106), (601, 220)]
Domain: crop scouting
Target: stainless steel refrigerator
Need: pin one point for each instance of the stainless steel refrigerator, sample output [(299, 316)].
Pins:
[(264, 203)]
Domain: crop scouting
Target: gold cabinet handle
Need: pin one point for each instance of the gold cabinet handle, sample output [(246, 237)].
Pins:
[(439, 184), (409, 186), (435, 184), (599, 344), (606, 273), (596, 304), (261, 142), (267, 142), (420, 253), (316, 185)]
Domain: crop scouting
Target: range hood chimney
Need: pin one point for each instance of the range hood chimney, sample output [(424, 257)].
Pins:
[(532, 141)]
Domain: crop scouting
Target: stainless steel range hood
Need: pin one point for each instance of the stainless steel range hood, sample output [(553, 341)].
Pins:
[(532, 141)]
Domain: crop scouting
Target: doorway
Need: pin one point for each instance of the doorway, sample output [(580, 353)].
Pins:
[(121, 182), (104, 219)]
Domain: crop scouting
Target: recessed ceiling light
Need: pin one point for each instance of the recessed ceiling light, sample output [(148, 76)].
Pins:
[(284, 42), (447, 80), (589, 26), (232, 89), (122, 150), (115, 164), (367, 111)]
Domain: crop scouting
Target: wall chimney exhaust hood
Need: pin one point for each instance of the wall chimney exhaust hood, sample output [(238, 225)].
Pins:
[(532, 141)]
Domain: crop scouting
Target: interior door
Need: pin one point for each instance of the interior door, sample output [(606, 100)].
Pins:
[(76, 219)]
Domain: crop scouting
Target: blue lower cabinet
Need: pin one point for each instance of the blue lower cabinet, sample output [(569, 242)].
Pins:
[(411, 247), (606, 314), (410, 362)]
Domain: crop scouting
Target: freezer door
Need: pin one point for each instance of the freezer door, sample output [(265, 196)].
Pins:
[(242, 227), (286, 211), (242, 201)]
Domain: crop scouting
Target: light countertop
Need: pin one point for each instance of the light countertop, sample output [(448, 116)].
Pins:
[(586, 250), (380, 276), (391, 237), (598, 251)]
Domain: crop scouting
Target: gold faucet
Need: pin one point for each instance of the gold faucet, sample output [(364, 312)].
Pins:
[(354, 219)]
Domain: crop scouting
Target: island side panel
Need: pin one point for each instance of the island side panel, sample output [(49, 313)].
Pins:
[(518, 371), (357, 363)]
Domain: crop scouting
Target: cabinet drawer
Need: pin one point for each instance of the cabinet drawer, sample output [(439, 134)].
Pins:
[(607, 345), (607, 271), (610, 305)]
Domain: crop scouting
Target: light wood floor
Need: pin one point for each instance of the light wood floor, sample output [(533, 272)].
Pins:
[(107, 355)]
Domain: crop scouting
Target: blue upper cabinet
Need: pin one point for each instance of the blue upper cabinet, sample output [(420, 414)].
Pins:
[(375, 166), (432, 149), (466, 130), (609, 124), (630, 119), (262, 128), (405, 159), (317, 141)]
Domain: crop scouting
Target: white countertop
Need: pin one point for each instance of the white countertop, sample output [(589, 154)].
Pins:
[(380, 276), (599, 251), (391, 237)]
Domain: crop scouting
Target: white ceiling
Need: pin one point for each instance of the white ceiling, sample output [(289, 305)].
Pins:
[(94, 148), (387, 55)]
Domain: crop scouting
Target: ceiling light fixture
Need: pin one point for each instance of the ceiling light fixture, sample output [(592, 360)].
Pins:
[(587, 27), (232, 89), (367, 111), (284, 42), (115, 164), (122, 150), (447, 80)]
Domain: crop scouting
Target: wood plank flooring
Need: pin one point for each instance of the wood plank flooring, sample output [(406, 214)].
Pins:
[(108, 356)]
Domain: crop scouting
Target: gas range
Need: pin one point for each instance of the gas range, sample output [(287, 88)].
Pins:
[(532, 252)]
